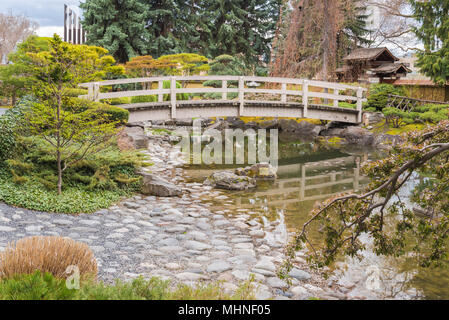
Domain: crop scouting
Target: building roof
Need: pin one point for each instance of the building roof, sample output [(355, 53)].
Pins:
[(369, 54), (391, 68)]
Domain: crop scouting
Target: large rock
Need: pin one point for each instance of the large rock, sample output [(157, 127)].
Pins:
[(156, 186), (262, 171), (352, 135), (230, 181), (302, 128), (130, 138), (372, 118), (236, 123)]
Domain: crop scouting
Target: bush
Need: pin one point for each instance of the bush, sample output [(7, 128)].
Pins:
[(75, 92), (421, 114), (48, 255), (117, 101), (12, 126), (378, 95), (29, 180), (35, 286), (179, 96), (143, 99), (44, 286), (114, 113)]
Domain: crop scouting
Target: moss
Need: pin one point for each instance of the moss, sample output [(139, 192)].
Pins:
[(263, 119), (405, 129)]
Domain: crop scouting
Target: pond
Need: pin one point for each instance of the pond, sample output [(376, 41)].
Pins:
[(308, 173)]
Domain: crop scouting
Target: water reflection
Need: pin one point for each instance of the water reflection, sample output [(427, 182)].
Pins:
[(307, 175)]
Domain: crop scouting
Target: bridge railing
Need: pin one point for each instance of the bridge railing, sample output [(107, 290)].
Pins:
[(288, 87)]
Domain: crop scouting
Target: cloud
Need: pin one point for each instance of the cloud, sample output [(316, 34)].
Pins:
[(48, 13), (48, 31)]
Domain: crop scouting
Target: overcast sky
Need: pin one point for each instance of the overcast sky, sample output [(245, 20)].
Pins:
[(49, 14)]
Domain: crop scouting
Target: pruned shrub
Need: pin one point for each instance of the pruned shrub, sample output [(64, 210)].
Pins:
[(143, 99), (47, 254), (378, 95)]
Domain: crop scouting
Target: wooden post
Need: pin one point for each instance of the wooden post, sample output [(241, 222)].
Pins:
[(160, 95), (90, 92), (359, 104), (96, 91), (224, 86), (305, 98), (241, 95), (173, 97), (284, 93), (336, 92)]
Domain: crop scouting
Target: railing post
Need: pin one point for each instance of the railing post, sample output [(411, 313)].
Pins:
[(359, 104), (336, 92), (284, 93), (90, 92), (241, 95), (96, 92), (173, 97), (160, 87), (305, 98), (224, 86)]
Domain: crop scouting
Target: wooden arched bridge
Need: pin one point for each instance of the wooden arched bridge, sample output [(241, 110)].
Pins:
[(237, 96)]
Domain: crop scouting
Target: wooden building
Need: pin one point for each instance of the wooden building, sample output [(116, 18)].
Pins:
[(371, 65)]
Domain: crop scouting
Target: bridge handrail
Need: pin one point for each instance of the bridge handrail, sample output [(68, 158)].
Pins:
[(95, 94)]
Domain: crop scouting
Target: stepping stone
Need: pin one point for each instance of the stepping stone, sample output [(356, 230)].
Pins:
[(219, 266)]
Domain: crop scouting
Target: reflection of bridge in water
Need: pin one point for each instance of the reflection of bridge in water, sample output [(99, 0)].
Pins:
[(313, 183)]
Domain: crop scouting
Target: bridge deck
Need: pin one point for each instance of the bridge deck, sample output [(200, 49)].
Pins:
[(308, 91)]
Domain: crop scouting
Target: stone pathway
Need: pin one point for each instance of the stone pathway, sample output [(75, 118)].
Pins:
[(175, 238)]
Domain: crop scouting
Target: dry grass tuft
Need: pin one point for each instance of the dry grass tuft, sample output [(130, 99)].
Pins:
[(47, 254)]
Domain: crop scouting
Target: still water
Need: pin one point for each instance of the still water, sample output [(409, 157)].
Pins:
[(308, 173)]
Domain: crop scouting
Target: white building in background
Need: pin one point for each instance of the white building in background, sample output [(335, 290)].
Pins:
[(410, 61)]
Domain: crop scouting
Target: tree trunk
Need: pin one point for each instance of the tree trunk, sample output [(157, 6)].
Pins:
[(59, 173), (326, 39), (58, 143)]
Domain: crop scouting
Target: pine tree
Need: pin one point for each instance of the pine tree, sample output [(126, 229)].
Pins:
[(117, 25), (241, 27), (433, 31)]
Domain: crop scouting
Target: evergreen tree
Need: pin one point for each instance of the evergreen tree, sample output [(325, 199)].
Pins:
[(117, 25), (433, 31), (241, 27), (175, 26)]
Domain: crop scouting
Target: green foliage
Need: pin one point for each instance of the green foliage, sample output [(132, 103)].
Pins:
[(124, 34), (113, 113), (422, 114), (185, 64), (165, 27), (378, 95), (12, 126), (96, 182), (379, 211), (36, 286), (432, 30), (179, 96), (143, 99), (39, 286)]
